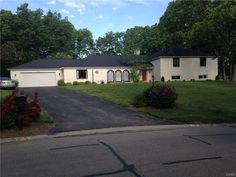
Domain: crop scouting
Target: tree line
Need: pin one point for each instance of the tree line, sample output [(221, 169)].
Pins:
[(209, 26)]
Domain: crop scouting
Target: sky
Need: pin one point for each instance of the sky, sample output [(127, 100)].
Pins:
[(99, 16)]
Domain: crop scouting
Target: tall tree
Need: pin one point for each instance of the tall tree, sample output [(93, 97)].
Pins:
[(177, 21), (110, 44), (217, 33), (84, 43)]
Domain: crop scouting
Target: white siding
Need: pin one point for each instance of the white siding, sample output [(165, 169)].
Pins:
[(36, 78), (156, 70), (97, 75), (189, 68), (149, 73)]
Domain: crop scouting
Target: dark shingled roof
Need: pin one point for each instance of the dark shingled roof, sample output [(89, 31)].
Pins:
[(45, 63), (90, 61), (101, 61), (177, 52)]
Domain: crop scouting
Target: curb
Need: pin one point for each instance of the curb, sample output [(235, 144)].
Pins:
[(113, 130)]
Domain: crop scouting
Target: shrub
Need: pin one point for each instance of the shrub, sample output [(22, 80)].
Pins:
[(134, 75), (142, 99), (162, 79), (217, 77), (87, 82), (68, 84), (94, 82), (17, 111), (61, 82), (76, 83), (158, 97)]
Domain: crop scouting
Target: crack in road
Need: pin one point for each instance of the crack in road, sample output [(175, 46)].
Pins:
[(67, 147), (191, 160), (197, 139), (126, 167)]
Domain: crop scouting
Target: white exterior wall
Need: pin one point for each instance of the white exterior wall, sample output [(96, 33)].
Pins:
[(156, 70), (16, 74), (149, 73), (93, 74), (189, 68)]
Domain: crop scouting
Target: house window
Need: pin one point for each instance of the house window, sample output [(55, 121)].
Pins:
[(176, 62), (175, 77), (126, 76), (202, 76), (110, 76), (118, 76), (203, 61), (82, 74)]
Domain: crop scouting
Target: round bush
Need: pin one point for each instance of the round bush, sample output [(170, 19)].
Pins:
[(158, 97), (162, 97), (61, 82)]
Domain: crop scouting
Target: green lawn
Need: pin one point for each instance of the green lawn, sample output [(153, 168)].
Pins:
[(44, 116), (198, 102), (4, 93)]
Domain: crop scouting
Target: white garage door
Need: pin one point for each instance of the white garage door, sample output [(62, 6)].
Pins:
[(37, 79)]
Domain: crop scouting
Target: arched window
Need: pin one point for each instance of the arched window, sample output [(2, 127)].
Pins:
[(118, 76), (110, 76), (126, 76)]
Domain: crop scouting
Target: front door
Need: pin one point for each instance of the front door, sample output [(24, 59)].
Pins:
[(144, 75)]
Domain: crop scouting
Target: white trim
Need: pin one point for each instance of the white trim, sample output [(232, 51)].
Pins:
[(33, 69), (102, 67)]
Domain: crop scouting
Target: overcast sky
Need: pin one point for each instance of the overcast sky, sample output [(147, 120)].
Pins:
[(99, 16)]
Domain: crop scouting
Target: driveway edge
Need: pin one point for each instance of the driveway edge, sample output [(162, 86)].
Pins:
[(112, 130)]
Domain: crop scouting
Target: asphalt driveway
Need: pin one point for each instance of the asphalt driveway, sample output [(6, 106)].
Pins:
[(73, 111)]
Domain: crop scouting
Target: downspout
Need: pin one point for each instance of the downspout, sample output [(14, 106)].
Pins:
[(92, 76)]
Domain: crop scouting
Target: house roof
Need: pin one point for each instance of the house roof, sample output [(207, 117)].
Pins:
[(101, 61), (177, 53), (90, 61)]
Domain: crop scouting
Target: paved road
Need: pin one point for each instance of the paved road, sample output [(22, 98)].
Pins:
[(162, 151), (73, 111)]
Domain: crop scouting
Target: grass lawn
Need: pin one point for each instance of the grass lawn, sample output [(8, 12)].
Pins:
[(198, 102)]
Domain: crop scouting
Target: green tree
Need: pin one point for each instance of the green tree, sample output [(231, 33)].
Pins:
[(110, 44), (84, 42), (217, 34), (177, 21)]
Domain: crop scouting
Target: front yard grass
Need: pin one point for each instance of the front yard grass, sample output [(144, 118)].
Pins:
[(198, 102)]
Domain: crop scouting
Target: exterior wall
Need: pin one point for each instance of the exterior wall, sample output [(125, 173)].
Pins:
[(156, 70), (97, 75), (149, 73), (189, 69), (15, 74)]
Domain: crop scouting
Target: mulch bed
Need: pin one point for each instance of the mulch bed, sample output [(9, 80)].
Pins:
[(34, 129)]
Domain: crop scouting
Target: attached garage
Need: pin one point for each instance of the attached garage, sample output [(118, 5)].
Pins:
[(37, 79)]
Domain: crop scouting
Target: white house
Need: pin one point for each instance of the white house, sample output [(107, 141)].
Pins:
[(181, 64)]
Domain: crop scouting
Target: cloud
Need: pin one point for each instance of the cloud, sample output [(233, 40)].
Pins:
[(81, 5), (52, 2), (114, 8), (64, 11), (99, 17), (72, 16), (110, 24), (77, 4), (144, 2), (129, 17)]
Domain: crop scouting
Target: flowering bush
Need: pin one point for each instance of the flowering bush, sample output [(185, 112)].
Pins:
[(158, 96), (17, 111)]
